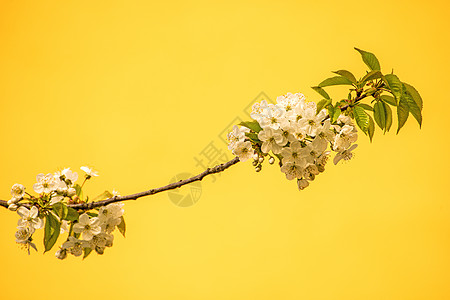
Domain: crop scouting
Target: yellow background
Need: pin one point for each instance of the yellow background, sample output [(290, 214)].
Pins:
[(138, 89)]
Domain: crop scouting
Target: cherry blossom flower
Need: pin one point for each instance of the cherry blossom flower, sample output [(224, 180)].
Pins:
[(88, 227)]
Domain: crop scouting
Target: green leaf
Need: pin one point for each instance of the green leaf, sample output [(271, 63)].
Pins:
[(336, 114), (321, 91), (346, 74), (395, 85), (371, 129), (414, 94), (379, 114), (372, 75), (252, 125), (388, 99), (51, 231), (362, 118), (122, 226), (322, 103), (253, 137), (103, 196), (388, 118), (92, 214), (60, 210), (370, 60), (337, 80), (86, 251), (72, 214), (77, 188), (366, 106), (412, 105), (402, 112)]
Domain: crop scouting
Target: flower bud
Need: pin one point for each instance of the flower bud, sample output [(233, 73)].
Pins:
[(261, 159), (271, 160), (13, 207), (254, 163), (258, 168), (255, 156), (320, 168), (13, 201), (61, 254), (302, 184), (60, 191), (71, 192)]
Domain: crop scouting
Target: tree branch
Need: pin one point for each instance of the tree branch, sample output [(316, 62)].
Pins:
[(91, 205)]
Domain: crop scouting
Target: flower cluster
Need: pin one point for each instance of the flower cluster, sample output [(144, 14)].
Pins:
[(51, 209), (94, 232), (297, 133)]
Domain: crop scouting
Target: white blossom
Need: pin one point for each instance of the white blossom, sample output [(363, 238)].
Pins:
[(313, 150), (290, 101), (346, 136), (236, 136), (88, 227), (310, 172), (273, 140), (17, 192), (112, 210), (45, 183), (243, 150), (89, 171), (258, 109), (23, 234), (272, 117), (30, 217), (292, 170), (292, 153), (75, 246), (345, 155), (311, 122)]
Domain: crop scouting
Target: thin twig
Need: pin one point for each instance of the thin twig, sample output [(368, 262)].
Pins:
[(91, 205)]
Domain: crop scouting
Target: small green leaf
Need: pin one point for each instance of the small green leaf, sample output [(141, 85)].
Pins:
[(402, 112), (321, 91), (346, 74), (253, 137), (362, 118), (72, 214), (412, 106), (92, 214), (370, 60), (336, 114), (86, 251), (379, 114), (388, 118), (77, 188), (371, 129), (322, 104), (51, 231), (372, 75), (60, 210), (122, 226), (388, 99), (366, 106), (337, 80), (252, 125), (395, 85), (103, 196), (414, 94)]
